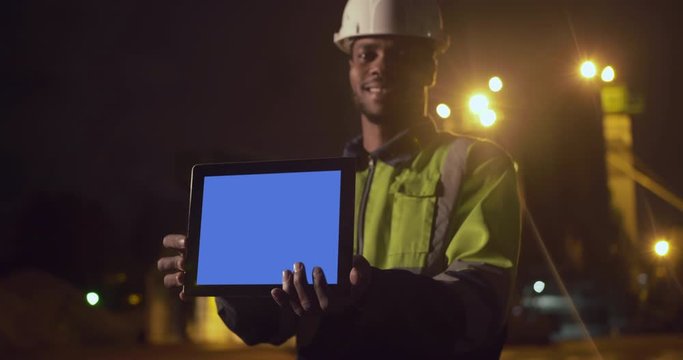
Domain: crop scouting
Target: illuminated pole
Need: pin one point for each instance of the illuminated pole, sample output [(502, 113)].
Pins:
[(616, 124), (207, 327)]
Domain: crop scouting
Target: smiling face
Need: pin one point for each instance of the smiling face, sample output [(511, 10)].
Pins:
[(389, 76)]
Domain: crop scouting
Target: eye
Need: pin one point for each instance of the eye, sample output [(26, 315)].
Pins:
[(365, 56)]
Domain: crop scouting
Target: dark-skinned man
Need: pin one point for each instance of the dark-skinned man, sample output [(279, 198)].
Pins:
[(437, 217)]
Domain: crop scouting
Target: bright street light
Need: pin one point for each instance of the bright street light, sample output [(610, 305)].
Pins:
[(495, 84), (588, 69), (478, 103), (662, 248), (607, 74), (443, 111), (92, 298), (539, 286), (487, 117)]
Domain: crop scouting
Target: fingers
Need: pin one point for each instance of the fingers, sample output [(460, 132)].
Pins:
[(320, 287), (175, 241), (298, 294), (174, 280), (280, 297), (301, 286), (360, 277), (290, 289), (171, 263), (361, 272), (174, 264)]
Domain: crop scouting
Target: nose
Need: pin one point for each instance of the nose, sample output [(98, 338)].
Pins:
[(378, 67)]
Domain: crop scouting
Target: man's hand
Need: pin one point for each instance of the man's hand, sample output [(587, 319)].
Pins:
[(174, 264), (303, 299)]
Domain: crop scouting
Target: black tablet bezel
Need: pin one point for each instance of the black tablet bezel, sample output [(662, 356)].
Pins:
[(346, 211)]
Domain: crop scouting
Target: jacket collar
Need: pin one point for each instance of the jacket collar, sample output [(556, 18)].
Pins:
[(399, 150)]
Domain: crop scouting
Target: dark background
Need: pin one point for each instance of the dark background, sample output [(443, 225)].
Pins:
[(107, 104)]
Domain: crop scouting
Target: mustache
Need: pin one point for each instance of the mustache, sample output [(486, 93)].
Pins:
[(375, 81)]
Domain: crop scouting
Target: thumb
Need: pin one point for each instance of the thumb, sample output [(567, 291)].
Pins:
[(361, 272)]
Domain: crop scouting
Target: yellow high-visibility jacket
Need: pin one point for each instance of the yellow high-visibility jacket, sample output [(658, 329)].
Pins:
[(445, 207), (426, 200)]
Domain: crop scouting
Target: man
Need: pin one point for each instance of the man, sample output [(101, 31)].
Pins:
[(437, 217)]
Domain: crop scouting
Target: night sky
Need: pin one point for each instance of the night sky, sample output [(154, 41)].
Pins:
[(107, 104)]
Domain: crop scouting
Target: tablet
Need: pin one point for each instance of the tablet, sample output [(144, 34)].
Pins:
[(250, 221)]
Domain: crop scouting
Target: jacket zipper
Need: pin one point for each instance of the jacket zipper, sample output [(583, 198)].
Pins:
[(364, 203)]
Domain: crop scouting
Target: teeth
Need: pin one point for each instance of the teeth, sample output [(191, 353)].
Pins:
[(375, 90)]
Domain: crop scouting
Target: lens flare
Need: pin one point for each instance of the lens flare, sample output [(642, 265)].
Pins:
[(607, 74), (495, 84), (588, 69), (478, 103), (443, 111), (662, 248), (487, 118)]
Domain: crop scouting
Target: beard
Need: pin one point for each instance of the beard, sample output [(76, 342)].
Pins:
[(372, 116), (376, 114), (392, 110)]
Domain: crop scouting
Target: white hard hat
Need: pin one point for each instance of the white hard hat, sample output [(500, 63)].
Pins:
[(418, 18)]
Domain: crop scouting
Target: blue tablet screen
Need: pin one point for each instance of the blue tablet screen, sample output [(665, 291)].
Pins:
[(255, 226)]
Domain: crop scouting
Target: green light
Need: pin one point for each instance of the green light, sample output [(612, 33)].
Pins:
[(92, 298)]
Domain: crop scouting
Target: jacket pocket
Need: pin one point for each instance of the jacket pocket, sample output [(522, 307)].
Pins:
[(411, 222)]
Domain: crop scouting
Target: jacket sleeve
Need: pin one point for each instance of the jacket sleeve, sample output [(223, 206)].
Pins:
[(256, 320), (484, 249), (462, 309)]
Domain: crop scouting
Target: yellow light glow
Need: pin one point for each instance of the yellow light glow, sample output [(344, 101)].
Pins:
[(134, 299), (443, 111), (662, 248), (588, 69), (487, 118), (478, 103), (495, 84), (607, 74), (92, 298)]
